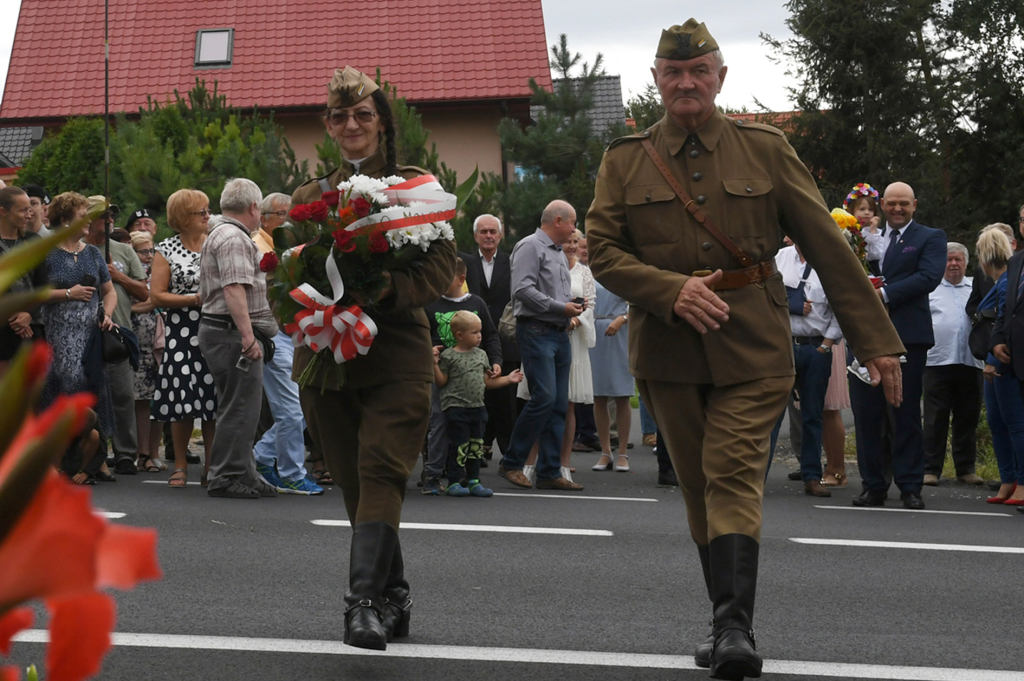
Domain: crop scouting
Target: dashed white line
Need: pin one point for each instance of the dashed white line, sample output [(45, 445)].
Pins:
[(907, 545), (110, 515), (908, 510), (536, 656), (569, 496), (483, 528), (163, 482)]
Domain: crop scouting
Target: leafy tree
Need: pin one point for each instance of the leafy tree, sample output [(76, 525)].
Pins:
[(70, 160), (557, 158)]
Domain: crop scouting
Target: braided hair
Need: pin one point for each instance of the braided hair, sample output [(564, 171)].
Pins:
[(388, 118)]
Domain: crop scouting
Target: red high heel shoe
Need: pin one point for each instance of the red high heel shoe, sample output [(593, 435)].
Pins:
[(1006, 500)]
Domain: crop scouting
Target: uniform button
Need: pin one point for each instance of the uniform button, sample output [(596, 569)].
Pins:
[(706, 246), (701, 199), (694, 154), (697, 177), (647, 198), (749, 190)]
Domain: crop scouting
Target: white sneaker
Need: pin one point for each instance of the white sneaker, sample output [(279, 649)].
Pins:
[(528, 471), (566, 473)]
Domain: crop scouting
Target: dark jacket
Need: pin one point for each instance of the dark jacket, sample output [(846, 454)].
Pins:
[(1009, 327), (912, 272), (440, 312), (497, 294)]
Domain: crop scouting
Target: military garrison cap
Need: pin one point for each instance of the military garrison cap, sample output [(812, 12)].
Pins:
[(688, 41), (348, 88)]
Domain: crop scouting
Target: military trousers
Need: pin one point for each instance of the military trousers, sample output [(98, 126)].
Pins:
[(371, 439), (718, 439)]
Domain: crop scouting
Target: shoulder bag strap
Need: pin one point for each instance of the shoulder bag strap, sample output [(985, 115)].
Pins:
[(803, 279), (693, 208)]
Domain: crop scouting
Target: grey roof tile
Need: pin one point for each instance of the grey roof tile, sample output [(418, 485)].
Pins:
[(16, 145), (607, 108)]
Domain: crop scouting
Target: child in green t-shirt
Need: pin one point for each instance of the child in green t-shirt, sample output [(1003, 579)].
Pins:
[(461, 373)]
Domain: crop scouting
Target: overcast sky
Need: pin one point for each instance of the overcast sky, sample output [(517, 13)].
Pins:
[(627, 33)]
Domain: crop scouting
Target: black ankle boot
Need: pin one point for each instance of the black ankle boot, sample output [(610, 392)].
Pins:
[(397, 604), (702, 655), (373, 547), (733, 562)]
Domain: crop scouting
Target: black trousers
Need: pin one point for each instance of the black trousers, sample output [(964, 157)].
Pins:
[(465, 443), (954, 390), (502, 411)]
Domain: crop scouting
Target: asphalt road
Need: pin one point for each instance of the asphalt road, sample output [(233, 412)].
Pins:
[(253, 589)]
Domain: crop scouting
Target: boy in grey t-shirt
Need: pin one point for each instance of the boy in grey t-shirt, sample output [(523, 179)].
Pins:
[(461, 373)]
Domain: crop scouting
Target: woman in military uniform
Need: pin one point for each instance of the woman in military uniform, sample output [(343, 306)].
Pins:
[(371, 426)]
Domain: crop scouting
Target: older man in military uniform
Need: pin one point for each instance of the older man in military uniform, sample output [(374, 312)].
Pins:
[(709, 333)]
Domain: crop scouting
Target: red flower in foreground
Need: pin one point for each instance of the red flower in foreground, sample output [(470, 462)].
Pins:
[(301, 212), (360, 206), (343, 241), (318, 210), (378, 243), (269, 262), (331, 198)]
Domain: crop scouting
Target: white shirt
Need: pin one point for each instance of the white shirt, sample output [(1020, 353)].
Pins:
[(951, 324), (887, 239), (821, 321), (488, 266)]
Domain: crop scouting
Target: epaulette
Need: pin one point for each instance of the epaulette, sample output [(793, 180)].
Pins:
[(419, 170), (747, 125), (636, 136)]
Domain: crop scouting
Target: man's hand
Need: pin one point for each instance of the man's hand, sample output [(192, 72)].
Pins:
[(886, 370), (495, 371), (1002, 353), (807, 307), (251, 348), (698, 305), (572, 309)]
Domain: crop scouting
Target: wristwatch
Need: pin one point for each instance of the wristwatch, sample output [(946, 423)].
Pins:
[(827, 349)]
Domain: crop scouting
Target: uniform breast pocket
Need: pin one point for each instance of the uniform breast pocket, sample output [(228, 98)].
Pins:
[(654, 215), (750, 207)]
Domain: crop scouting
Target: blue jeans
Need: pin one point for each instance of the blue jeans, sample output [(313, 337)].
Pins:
[(283, 443), (1005, 409), (546, 357), (813, 369), (647, 424)]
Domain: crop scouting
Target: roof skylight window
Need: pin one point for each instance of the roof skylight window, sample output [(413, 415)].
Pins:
[(214, 47)]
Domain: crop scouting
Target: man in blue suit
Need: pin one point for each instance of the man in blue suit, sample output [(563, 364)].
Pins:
[(913, 264)]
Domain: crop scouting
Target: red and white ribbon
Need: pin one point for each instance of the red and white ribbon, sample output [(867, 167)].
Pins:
[(347, 331), (438, 206)]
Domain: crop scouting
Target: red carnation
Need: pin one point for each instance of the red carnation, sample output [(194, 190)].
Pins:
[(301, 212), (343, 241), (331, 198), (360, 206), (319, 210), (269, 262), (378, 243)]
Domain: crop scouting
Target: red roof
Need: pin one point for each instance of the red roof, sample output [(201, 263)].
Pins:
[(285, 51)]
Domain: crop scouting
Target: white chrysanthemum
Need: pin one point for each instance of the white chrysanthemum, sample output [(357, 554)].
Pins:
[(392, 180)]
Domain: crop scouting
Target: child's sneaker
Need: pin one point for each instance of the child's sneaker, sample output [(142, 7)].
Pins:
[(478, 490), (432, 487), (457, 490)]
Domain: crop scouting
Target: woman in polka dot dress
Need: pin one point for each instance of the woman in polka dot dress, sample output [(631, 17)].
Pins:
[(184, 386)]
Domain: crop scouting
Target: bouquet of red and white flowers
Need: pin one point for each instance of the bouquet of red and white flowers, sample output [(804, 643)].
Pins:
[(333, 259)]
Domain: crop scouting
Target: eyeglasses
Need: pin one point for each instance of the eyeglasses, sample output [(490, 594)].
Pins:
[(279, 213), (205, 211), (145, 251), (362, 116)]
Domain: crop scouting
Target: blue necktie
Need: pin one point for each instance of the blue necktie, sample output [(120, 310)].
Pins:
[(1020, 285), (894, 238)]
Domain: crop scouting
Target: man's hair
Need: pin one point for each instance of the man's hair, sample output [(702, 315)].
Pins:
[(555, 210), (141, 237), (64, 206), (463, 320), (8, 196), (34, 191), (954, 247), (269, 200), (239, 193), (501, 230), (460, 267), (180, 205), (994, 248)]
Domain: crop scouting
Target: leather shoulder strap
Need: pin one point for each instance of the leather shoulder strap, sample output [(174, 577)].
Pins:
[(694, 210), (325, 186)]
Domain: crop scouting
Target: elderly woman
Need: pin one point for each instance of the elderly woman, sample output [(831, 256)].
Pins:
[(1003, 403), (370, 429), (184, 389), (82, 297), (149, 329)]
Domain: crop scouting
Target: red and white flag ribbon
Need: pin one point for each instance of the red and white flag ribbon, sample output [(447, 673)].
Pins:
[(438, 206)]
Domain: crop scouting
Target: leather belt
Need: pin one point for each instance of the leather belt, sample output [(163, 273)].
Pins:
[(808, 340), (540, 322), (734, 279), (219, 321)]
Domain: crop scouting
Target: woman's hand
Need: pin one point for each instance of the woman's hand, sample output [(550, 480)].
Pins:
[(82, 293), (990, 373), (614, 327), (107, 323)]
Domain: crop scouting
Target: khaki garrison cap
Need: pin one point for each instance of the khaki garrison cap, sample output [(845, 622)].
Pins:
[(348, 88), (688, 41)]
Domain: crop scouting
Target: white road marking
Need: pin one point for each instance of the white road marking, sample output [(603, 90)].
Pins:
[(907, 545), (908, 510), (163, 482), (568, 496), (536, 656), (482, 528), (110, 515)]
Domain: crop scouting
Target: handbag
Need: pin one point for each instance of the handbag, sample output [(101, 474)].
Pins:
[(115, 347), (980, 339), (796, 296), (507, 323)]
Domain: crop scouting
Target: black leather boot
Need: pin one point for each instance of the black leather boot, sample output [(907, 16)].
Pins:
[(733, 559), (702, 655), (397, 604), (373, 548)]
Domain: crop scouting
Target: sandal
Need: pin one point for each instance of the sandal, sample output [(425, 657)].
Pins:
[(834, 480), (148, 465), (83, 478), (323, 477), (178, 479), (104, 477)]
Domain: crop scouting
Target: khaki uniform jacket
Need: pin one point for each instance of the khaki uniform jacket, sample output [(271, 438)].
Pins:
[(644, 245), (402, 350)]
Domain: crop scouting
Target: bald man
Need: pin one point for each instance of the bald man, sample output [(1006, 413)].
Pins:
[(913, 265)]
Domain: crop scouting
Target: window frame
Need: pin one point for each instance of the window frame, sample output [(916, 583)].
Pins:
[(214, 64)]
